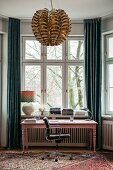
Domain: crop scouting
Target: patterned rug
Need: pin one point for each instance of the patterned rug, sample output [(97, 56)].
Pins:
[(10, 160)]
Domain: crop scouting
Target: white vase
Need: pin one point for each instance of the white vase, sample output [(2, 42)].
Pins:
[(28, 108)]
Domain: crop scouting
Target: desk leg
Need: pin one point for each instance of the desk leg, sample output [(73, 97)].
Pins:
[(90, 134), (26, 136), (94, 139), (23, 139)]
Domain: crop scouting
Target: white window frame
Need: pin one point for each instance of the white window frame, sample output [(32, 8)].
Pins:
[(107, 62), (44, 62)]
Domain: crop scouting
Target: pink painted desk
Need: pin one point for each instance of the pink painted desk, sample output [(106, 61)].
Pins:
[(59, 123)]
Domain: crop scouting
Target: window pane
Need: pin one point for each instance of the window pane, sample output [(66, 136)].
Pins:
[(75, 87), (33, 80), (75, 50), (54, 53), (110, 47), (32, 50), (110, 87), (54, 86)]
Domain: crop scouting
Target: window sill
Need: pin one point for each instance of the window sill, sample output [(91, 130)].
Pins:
[(107, 117), (55, 117)]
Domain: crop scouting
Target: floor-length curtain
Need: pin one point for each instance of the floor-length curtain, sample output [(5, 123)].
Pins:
[(93, 73), (13, 87)]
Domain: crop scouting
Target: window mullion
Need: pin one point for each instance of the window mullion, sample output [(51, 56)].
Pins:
[(44, 83), (53, 62)]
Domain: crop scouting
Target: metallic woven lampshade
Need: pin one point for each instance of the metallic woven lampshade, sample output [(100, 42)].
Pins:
[(51, 28)]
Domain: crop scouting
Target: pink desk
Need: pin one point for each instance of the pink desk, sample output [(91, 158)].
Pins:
[(59, 123)]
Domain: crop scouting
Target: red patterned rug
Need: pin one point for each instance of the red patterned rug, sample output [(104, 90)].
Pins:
[(10, 160)]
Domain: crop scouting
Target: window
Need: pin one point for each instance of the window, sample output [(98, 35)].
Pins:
[(108, 73), (55, 73)]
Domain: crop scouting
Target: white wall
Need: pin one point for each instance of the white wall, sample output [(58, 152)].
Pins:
[(3, 26), (26, 29), (107, 25), (77, 26), (3, 116), (4, 93)]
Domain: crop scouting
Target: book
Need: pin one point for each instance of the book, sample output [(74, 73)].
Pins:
[(30, 120)]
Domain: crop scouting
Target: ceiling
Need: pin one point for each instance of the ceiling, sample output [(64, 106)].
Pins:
[(76, 9)]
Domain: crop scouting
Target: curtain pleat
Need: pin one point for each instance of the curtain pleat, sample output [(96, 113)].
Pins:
[(13, 86), (93, 72)]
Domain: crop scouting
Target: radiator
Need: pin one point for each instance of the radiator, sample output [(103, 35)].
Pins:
[(107, 134), (78, 137)]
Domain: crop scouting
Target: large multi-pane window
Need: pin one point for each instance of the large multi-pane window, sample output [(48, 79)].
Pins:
[(55, 73), (108, 73)]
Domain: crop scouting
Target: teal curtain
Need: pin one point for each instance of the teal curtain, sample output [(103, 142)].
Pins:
[(13, 84), (93, 73)]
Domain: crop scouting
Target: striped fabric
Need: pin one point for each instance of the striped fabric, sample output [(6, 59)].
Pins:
[(28, 96)]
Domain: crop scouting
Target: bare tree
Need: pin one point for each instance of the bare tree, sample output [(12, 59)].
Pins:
[(76, 79)]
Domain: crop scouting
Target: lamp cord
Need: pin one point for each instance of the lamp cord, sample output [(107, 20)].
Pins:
[(51, 5)]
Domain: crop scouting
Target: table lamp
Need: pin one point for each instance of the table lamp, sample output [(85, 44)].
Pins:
[(28, 97)]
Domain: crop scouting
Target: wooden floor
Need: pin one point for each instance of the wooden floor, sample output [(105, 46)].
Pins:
[(62, 149)]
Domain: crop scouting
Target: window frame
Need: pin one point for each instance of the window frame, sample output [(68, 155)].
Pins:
[(43, 62), (107, 62)]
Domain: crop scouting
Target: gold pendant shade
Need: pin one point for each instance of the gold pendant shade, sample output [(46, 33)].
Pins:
[(51, 28)]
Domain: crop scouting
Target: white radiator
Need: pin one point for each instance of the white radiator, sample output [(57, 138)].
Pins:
[(107, 134), (78, 137)]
